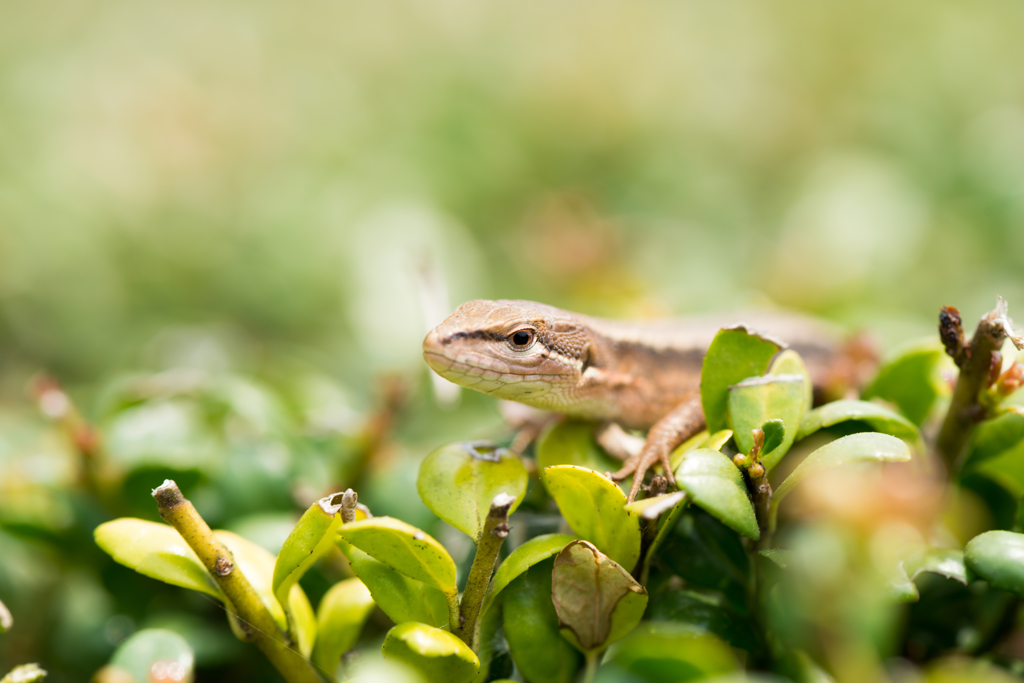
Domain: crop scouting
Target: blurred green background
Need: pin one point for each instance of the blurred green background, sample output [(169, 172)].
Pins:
[(253, 193)]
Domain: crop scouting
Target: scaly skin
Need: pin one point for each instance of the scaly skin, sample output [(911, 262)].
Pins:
[(641, 375)]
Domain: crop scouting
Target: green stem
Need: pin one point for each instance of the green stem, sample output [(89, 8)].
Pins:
[(493, 535), (975, 362), (257, 622), (590, 671)]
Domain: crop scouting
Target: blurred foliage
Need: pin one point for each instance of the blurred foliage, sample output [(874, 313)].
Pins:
[(216, 218)]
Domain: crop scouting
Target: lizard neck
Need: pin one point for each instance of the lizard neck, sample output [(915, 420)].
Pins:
[(634, 381)]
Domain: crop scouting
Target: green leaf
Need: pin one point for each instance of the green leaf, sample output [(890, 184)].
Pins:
[(714, 483), (704, 612), (571, 442), (459, 481), (655, 506), (340, 618), (757, 400), (996, 557), (948, 562), (734, 355), (774, 432), (535, 550), (993, 438), (155, 654), (661, 652), (707, 554), (401, 598), (702, 440), (863, 447), (258, 567), (594, 507), (405, 549), (310, 539), (789, 362), (437, 655), (596, 599), (911, 380), (157, 551), (531, 629), (879, 418)]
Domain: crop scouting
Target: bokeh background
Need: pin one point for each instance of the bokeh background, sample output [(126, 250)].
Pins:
[(218, 220)]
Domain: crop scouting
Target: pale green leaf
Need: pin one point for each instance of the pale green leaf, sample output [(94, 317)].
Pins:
[(714, 483)]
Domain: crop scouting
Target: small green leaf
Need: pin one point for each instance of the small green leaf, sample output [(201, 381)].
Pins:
[(996, 557), (992, 438), (900, 587), (734, 355), (948, 562), (670, 653), (863, 447), (437, 655), (880, 419), (401, 598), (535, 550), (594, 507), (704, 612), (531, 629), (911, 380), (774, 432), (597, 601), (757, 400), (571, 442), (157, 551), (340, 618), (459, 481), (714, 483), (146, 653), (405, 549), (310, 539)]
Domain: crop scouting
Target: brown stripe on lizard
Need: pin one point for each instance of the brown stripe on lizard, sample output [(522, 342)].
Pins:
[(627, 374)]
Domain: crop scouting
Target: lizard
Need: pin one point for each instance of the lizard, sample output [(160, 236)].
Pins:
[(642, 375)]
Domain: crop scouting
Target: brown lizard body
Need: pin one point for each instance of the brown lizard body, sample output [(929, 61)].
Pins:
[(640, 375)]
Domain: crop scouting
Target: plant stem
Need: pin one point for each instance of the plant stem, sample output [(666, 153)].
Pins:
[(255, 619), (975, 361), (493, 535), (590, 672), (761, 492)]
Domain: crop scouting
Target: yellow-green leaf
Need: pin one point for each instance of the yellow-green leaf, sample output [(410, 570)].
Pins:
[(404, 548), (310, 539), (157, 551), (459, 481), (437, 655), (340, 618), (595, 509), (401, 598)]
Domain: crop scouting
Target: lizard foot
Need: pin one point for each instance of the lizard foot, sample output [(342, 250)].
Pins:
[(652, 454)]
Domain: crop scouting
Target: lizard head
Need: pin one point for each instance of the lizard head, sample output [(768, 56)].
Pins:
[(514, 350)]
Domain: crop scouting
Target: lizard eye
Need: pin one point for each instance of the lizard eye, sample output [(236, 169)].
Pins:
[(521, 339)]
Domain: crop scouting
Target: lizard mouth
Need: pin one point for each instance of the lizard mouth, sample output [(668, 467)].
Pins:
[(480, 372)]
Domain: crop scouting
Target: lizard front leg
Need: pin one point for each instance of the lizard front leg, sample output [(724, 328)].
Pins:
[(680, 424)]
